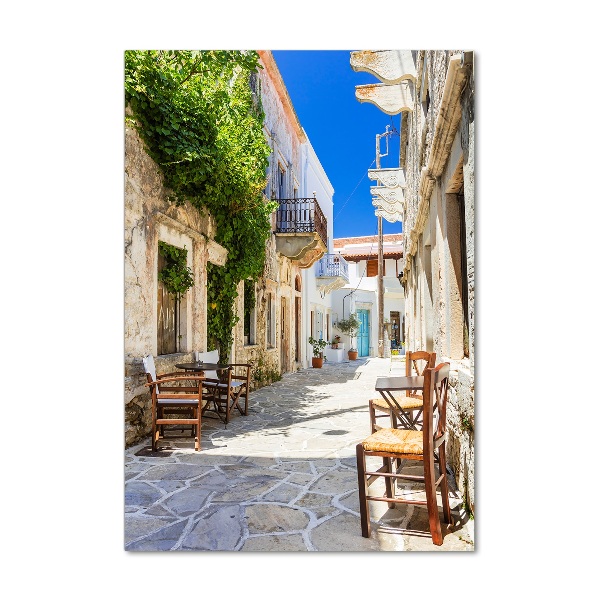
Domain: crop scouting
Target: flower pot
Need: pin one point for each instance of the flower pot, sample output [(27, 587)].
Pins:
[(352, 354), (334, 346), (317, 362)]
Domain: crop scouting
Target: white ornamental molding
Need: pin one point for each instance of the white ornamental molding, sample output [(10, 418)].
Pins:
[(389, 66), (217, 255), (390, 195), (389, 206), (390, 178), (391, 99), (389, 217)]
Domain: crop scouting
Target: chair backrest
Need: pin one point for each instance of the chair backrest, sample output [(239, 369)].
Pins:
[(208, 357), (435, 401), (149, 366), (416, 363)]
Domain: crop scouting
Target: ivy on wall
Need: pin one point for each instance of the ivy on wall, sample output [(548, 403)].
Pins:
[(176, 275), (202, 125), (249, 303)]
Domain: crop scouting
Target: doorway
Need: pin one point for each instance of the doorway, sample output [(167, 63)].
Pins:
[(364, 333), (298, 319), (395, 335), (285, 342)]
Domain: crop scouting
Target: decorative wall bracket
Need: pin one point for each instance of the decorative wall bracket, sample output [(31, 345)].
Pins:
[(390, 217), (388, 177), (391, 99), (389, 66), (390, 195)]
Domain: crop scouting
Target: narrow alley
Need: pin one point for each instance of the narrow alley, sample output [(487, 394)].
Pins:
[(282, 478)]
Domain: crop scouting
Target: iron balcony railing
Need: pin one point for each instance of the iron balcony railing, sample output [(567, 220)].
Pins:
[(332, 265), (301, 215)]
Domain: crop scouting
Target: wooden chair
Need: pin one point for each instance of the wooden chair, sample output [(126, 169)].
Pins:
[(393, 444), (209, 357), (175, 400), (232, 388), (412, 402)]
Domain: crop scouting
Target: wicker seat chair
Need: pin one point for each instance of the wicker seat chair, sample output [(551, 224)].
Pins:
[(393, 444), (412, 403)]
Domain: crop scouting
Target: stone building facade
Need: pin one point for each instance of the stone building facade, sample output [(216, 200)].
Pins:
[(270, 340), (150, 218), (434, 91), (273, 336), (271, 332)]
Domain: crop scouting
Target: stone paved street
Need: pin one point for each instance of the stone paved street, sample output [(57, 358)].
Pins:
[(282, 478)]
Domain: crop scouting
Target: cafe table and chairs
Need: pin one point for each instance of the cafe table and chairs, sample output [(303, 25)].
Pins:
[(225, 393), (409, 401), (426, 446), (393, 391)]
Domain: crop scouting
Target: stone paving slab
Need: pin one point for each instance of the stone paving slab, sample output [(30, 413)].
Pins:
[(281, 479)]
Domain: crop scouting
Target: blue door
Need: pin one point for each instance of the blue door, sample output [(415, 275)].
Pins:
[(363, 332)]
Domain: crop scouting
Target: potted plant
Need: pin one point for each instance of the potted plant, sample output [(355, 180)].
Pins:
[(318, 347), (350, 326), (336, 340)]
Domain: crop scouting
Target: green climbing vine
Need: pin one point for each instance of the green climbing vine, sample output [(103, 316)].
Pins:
[(201, 122), (249, 303), (176, 275)]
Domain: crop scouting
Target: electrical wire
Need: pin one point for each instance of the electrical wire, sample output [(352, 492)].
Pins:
[(354, 190), (394, 131), (366, 263)]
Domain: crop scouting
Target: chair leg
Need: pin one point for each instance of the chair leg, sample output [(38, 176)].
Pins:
[(154, 432), (389, 482), (236, 396), (198, 429), (372, 417), (361, 467), (444, 484), (227, 406), (432, 508), (245, 413)]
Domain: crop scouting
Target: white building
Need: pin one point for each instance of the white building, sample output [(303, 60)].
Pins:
[(360, 296), (317, 317), (288, 306)]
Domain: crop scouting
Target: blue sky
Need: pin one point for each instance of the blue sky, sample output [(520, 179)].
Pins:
[(342, 131)]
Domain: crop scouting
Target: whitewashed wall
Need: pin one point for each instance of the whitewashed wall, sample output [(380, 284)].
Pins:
[(366, 297), (315, 180)]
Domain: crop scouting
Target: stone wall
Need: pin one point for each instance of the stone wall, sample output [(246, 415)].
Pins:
[(266, 361), (285, 137), (150, 217), (434, 306)]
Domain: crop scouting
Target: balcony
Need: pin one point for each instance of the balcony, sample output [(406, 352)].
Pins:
[(331, 273), (301, 230)]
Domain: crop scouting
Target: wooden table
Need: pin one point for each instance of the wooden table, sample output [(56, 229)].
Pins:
[(386, 385), (200, 367), (212, 387)]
